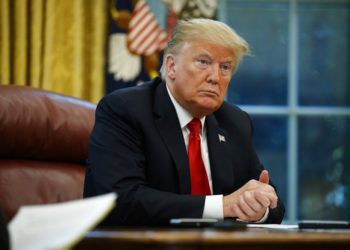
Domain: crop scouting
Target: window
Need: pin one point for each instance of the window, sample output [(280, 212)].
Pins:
[(296, 87)]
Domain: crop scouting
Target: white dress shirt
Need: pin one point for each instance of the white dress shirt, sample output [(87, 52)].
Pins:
[(213, 206)]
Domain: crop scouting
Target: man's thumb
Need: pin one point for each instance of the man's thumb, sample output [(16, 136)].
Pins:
[(264, 177)]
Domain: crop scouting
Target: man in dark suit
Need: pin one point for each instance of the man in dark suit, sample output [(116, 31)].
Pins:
[(144, 146)]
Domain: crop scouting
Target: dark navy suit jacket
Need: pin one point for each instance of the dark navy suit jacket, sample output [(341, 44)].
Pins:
[(137, 150)]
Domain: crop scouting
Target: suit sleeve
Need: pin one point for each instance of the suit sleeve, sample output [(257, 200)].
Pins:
[(117, 163), (275, 215)]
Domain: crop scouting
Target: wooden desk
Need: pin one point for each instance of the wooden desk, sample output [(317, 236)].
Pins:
[(185, 239)]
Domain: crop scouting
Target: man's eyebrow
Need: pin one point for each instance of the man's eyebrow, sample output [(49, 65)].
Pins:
[(203, 54), (206, 54), (228, 61)]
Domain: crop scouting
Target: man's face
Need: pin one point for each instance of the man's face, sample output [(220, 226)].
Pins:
[(199, 76)]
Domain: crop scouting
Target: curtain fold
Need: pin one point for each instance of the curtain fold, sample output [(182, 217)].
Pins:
[(54, 45)]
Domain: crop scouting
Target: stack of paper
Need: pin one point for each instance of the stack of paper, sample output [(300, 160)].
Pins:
[(58, 226)]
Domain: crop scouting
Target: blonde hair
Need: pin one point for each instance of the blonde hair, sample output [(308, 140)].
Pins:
[(209, 30)]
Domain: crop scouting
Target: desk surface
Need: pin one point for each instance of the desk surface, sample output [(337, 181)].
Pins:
[(252, 238)]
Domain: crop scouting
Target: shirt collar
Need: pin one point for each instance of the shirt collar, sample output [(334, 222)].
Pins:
[(184, 116)]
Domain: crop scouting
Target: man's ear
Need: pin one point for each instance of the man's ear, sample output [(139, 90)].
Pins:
[(170, 66)]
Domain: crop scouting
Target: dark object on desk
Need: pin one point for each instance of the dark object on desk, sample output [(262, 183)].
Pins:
[(228, 224), (324, 224), (4, 235)]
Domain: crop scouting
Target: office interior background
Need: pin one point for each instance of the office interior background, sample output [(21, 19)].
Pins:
[(295, 84)]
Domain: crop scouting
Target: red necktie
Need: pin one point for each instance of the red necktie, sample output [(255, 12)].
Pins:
[(199, 178)]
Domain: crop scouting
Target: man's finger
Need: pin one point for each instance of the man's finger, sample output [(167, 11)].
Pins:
[(263, 199), (239, 213), (271, 197), (253, 202), (245, 208), (264, 177)]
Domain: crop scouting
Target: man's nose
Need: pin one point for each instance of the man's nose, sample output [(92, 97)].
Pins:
[(214, 74)]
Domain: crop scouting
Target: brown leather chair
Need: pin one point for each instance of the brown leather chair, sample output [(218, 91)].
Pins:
[(43, 147)]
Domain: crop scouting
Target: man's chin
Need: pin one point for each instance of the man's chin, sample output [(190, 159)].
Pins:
[(206, 109), (211, 104)]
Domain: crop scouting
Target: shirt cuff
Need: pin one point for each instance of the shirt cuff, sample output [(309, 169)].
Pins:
[(213, 207)]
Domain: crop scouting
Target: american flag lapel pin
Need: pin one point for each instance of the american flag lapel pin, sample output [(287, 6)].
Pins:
[(221, 138)]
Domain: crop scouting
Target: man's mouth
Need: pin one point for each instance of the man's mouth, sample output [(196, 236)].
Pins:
[(209, 93)]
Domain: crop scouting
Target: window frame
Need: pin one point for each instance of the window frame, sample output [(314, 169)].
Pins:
[(292, 111)]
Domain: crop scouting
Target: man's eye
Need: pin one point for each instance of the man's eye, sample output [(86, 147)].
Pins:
[(226, 69), (203, 61)]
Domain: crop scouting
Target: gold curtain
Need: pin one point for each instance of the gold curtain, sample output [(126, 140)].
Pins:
[(57, 45)]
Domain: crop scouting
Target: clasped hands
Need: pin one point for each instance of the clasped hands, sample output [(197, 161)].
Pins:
[(250, 202)]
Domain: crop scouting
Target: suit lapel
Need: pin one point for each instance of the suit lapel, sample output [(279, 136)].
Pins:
[(169, 129), (219, 156)]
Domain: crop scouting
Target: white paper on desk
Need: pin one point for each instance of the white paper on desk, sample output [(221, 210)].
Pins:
[(273, 226), (60, 225)]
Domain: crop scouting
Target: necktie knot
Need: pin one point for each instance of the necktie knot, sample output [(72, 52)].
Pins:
[(194, 126)]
